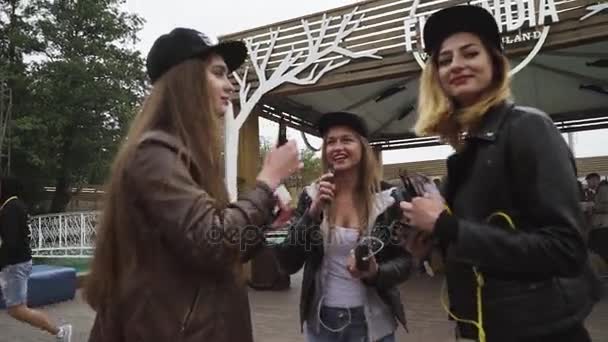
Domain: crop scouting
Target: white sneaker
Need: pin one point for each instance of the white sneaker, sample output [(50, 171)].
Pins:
[(65, 333)]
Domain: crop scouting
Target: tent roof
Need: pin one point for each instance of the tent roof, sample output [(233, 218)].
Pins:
[(558, 80)]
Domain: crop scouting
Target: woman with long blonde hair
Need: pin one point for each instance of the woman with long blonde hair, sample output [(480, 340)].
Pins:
[(347, 295), (509, 219), (167, 264)]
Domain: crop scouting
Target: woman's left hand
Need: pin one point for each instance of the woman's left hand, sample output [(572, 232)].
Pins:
[(351, 266), (423, 212)]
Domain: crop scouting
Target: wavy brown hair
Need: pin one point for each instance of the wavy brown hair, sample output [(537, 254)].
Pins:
[(368, 182), (438, 114), (179, 105)]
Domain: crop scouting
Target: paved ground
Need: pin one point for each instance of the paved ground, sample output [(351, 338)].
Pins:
[(275, 316)]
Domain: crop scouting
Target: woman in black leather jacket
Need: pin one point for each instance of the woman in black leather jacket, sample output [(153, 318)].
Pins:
[(341, 301), (509, 218)]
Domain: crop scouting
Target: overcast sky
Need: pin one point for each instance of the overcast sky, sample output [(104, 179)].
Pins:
[(222, 17)]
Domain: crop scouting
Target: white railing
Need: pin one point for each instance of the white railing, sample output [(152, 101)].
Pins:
[(72, 235), (65, 235)]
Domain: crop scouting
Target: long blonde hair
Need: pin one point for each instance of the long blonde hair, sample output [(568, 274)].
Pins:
[(179, 105), (368, 183), (437, 113)]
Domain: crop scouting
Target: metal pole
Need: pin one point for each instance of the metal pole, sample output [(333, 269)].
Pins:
[(60, 229), (571, 143), (82, 237), (39, 233)]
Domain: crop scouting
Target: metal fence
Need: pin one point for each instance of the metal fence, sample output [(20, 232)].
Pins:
[(65, 235)]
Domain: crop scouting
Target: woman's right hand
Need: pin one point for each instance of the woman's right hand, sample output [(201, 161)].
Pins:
[(280, 163), (324, 196)]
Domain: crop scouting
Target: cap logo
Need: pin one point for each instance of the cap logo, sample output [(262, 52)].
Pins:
[(520, 22)]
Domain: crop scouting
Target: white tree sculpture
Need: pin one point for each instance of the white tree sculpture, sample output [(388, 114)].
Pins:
[(287, 71)]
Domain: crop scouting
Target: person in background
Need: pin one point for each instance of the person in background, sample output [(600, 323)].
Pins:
[(581, 190), (593, 181), (509, 217), (16, 262), (598, 234), (601, 204), (170, 244)]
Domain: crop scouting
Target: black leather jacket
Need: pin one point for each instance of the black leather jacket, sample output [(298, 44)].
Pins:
[(303, 247), (537, 279)]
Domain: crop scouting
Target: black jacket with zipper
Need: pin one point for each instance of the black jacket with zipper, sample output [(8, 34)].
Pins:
[(536, 276), (303, 247)]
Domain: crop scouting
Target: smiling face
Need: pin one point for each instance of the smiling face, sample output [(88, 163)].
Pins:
[(465, 68), (343, 148), (219, 86)]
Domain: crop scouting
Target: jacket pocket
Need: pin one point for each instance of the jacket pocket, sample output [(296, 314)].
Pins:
[(521, 306)]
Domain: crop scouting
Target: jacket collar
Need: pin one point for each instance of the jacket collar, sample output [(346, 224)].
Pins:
[(162, 137), (492, 122)]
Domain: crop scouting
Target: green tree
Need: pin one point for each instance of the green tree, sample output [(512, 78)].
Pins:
[(85, 87), (313, 167), (17, 40)]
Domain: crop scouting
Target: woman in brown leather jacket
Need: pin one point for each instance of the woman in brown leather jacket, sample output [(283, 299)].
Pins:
[(167, 263), (516, 263)]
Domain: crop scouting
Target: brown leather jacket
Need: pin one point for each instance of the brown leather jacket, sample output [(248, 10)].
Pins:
[(183, 287)]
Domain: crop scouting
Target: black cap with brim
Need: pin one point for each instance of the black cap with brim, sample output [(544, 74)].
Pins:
[(234, 53), (332, 119), (467, 18), (182, 44)]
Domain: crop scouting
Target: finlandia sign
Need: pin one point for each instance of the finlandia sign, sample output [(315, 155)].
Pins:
[(520, 22)]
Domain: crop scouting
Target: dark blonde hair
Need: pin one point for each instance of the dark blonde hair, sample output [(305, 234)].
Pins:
[(368, 181), (179, 105), (437, 113)]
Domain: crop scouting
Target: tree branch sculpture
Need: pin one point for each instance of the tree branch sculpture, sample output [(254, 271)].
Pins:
[(288, 70)]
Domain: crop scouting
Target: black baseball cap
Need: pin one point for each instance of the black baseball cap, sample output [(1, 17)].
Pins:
[(332, 119), (182, 44), (466, 18)]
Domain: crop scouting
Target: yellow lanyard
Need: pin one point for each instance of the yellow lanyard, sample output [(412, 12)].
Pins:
[(479, 282)]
